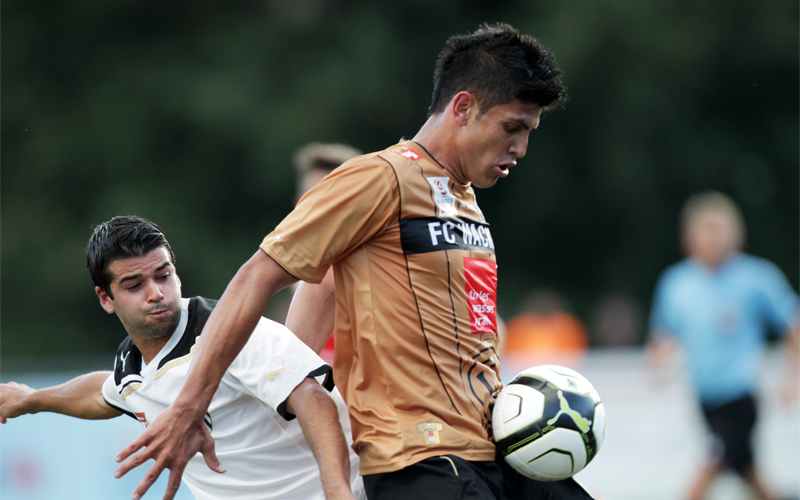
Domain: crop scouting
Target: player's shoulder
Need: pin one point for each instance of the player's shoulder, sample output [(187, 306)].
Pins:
[(756, 268), (749, 261), (128, 361), (367, 165), (369, 174), (678, 270)]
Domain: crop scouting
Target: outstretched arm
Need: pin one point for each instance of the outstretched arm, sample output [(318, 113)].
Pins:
[(179, 432), (661, 353), (81, 397), (318, 417), (312, 312), (790, 389)]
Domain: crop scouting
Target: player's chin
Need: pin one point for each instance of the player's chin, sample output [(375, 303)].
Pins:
[(486, 183)]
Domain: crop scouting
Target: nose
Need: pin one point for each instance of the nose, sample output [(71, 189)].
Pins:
[(519, 147), (154, 292)]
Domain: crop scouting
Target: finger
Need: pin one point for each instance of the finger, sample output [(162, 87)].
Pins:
[(132, 448), (3, 419), (174, 483), (147, 482), (210, 456), (131, 463)]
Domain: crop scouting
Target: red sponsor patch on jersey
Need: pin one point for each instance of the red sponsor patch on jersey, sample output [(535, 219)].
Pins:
[(409, 154), (481, 288), (141, 418)]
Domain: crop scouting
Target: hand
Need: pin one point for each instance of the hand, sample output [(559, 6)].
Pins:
[(12, 400), (171, 440), (789, 391)]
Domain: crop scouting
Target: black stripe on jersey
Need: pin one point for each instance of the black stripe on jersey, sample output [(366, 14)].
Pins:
[(434, 234), (128, 364), (121, 410), (326, 370), (327, 383), (129, 358), (199, 310)]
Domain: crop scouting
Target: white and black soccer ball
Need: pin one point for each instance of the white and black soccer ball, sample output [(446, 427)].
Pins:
[(548, 422)]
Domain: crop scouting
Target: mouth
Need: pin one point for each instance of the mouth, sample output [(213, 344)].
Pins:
[(159, 313), (501, 170)]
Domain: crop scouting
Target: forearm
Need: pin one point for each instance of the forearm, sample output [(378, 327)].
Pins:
[(793, 350), (312, 312), (81, 397), (316, 411), (230, 326)]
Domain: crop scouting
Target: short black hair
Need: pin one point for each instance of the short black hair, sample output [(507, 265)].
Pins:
[(122, 237), (497, 64)]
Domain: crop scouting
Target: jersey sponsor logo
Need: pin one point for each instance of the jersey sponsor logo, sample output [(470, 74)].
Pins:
[(409, 154), (481, 288), (444, 199), (432, 234), (271, 375), (142, 418), (430, 432), (123, 359)]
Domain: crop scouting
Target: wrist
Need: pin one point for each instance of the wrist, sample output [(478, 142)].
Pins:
[(341, 489), (33, 402), (192, 405)]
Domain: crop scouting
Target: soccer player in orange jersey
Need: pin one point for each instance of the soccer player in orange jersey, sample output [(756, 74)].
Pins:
[(415, 288)]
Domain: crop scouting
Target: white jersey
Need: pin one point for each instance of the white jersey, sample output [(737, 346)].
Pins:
[(261, 445)]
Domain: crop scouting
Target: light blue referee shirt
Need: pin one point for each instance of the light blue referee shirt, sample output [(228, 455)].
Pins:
[(721, 318)]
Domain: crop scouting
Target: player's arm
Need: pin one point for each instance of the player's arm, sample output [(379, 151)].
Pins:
[(81, 397), (790, 389), (313, 311), (661, 352), (661, 349), (179, 432), (316, 411)]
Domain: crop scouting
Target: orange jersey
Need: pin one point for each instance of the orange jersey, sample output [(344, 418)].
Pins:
[(416, 290)]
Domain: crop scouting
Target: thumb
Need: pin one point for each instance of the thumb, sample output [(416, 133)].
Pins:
[(210, 456)]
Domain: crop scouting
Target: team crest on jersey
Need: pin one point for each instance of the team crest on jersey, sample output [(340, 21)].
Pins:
[(430, 431), (444, 199), (409, 154)]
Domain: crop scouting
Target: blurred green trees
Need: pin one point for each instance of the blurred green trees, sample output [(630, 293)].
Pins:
[(187, 113)]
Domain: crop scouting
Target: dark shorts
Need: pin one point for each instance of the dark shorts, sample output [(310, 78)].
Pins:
[(732, 425), (453, 478)]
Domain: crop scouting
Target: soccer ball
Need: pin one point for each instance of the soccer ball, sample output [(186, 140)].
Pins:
[(548, 422)]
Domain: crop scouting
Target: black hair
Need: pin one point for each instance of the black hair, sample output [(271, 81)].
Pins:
[(122, 237), (497, 64)]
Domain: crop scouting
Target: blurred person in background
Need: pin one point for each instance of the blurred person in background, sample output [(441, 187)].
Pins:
[(415, 289), (315, 160), (719, 304), (274, 379), (312, 162), (544, 332)]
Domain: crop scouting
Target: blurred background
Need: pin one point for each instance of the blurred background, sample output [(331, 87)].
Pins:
[(188, 113)]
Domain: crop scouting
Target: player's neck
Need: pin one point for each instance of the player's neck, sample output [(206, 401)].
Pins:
[(438, 140)]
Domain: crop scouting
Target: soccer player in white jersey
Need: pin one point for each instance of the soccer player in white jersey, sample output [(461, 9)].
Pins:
[(268, 453)]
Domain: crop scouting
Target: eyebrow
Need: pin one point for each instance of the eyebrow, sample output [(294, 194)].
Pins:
[(522, 123), (137, 276)]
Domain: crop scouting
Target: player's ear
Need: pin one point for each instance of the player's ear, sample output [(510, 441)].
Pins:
[(462, 106), (105, 300)]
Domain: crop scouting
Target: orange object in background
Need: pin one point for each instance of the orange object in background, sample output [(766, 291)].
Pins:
[(544, 333)]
